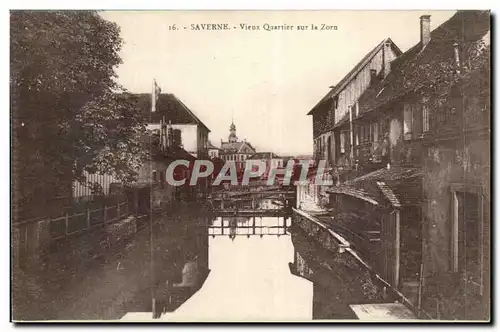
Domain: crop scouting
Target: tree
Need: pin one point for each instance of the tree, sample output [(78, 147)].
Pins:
[(69, 114)]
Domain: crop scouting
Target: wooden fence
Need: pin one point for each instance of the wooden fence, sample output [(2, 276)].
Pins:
[(33, 238)]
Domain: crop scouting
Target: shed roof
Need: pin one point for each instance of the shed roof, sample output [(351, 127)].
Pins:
[(398, 185)]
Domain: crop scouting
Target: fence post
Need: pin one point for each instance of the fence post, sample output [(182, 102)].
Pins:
[(66, 221), (88, 218), (105, 213)]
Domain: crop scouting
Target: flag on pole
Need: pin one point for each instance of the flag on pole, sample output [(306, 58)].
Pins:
[(155, 95)]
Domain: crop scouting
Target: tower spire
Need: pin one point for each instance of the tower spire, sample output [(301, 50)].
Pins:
[(232, 132)]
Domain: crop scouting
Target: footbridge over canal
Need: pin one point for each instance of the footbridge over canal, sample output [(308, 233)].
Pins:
[(263, 203), (263, 212)]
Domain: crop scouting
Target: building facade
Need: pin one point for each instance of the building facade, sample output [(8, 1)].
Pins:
[(187, 127), (235, 150), (415, 201), (270, 159), (213, 151), (426, 128), (332, 130)]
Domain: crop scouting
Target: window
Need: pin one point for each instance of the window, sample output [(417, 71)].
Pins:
[(425, 115), (342, 141), (366, 132), (417, 120), (375, 132), (467, 234), (154, 175), (323, 146), (335, 102), (413, 121), (407, 121)]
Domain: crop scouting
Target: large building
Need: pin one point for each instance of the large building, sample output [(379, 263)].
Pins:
[(187, 127), (235, 150), (417, 203), (270, 159), (333, 134), (182, 132)]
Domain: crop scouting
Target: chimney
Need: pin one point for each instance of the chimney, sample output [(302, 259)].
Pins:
[(425, 29), (387, 58)]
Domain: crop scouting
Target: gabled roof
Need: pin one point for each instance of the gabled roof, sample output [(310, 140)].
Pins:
[(170, 106), (211, 146), (264, 155), (354, 71), (416, 67), (230, 147)]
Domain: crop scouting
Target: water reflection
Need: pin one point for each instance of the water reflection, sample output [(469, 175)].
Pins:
[(226, 269), (337, 282), (249, 278), (180, 261)]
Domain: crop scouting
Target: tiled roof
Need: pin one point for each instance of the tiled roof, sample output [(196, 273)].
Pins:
[(230, 147), (351, 191), (227, 147), (415, 67), (170, 106), (353, 72), (395, 173), (211, 146), (398, 185), (264, 155), (389, 194)]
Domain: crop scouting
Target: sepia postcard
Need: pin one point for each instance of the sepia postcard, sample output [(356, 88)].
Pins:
[(250, 166)]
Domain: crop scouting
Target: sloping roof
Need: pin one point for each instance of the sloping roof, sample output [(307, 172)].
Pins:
[(354, 71), (264, 155), (350, 191), (170, 106), (398, 185), (211, 146), (171, 153), (416, 67), (389, 194), (228, 147)]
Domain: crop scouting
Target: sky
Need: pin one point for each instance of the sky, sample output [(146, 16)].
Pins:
[(267, 81)]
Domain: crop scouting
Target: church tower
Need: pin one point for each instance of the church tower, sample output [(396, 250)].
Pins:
[(232, 134)]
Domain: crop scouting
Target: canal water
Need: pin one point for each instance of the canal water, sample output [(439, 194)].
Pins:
[(249, 276), (247, 269)]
